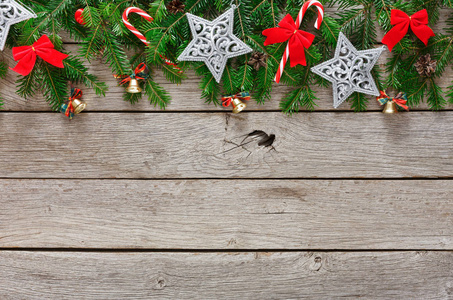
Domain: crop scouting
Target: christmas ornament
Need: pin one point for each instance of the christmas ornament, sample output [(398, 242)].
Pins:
[(75, 105), (170, 36), (392, 103), (401, 22), (141, 72), (426, 66), (258, 60), (129, 26), (139, 35), (175, 6), (78, 16), (43, 47), (349, 71), (298, 40), (214, 42), (11, 12), (235, 100)]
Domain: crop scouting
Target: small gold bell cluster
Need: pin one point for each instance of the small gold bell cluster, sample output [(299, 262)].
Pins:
[(238, 105), (390, 108), (134, 87)]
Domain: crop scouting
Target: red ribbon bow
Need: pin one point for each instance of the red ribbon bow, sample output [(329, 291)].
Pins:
[(400, 99), (75, 94), (401, 22), (140, 72), (226, 100), (42, 48), (298, 40)]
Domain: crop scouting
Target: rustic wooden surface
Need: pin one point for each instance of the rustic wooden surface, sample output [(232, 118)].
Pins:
[(203, 145), (227, 214), (129, 202), (258, 275)]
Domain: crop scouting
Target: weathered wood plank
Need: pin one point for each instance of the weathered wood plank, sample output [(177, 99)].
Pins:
[(225, 214), (185, 97), (202, 145), (298, 275)]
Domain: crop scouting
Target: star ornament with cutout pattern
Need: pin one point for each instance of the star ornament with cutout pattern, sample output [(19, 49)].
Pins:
[(214, 42), (11, 12), (350, 70)]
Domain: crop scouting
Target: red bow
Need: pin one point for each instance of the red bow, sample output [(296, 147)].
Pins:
[(400, 99), (401, 22), (298, 39), (226, 100), (27, 55), (75, 94), (140, 72)]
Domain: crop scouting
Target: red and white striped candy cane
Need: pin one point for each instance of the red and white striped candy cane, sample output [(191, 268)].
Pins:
[(129, 26), (302, 12), (138, 34)]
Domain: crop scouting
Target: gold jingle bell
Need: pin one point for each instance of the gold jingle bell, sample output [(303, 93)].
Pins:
[(133, 87), (78, 105), (390, 108), (238, 105)]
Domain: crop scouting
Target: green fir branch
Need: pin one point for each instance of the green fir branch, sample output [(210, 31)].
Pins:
[(228, 84), (302, 97), (132, 98), (3, 73), (358, 102), (76, 72), (104, 37), (172, 74), (54, 85), (210, 89), (435, 99), (157, 96), (3, 69), (55, 8), (28, 85)]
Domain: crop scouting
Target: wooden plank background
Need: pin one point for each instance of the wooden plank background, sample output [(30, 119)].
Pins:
[(129, 202), (203, 145), (227, 214), (259, 275)]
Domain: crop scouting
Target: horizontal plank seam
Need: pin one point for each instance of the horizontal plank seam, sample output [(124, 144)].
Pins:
[(148, 250), (206, 111), (231, 179)]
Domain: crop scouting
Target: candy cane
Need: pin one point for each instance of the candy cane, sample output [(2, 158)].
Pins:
[(302, 12), (138, 34), (129, 26)]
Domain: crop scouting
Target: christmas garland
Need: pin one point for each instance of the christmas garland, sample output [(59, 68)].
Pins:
[(264, 35)]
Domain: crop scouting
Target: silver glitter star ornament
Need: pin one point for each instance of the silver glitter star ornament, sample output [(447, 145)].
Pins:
[(350, 70), (214, 42), (11, 13)]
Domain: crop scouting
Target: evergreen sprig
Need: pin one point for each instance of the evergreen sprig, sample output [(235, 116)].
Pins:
[(3, 72)]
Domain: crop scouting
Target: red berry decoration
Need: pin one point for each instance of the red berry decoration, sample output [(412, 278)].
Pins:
[(78, 16)]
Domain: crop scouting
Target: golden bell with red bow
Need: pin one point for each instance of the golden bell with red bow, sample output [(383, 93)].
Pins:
[(390, 108), (78, 105), (238, 105), (134, 87)]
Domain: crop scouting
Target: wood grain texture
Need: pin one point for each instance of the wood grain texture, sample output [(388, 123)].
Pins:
[(338, 214), (185, 97), (203, 145), (298, 275), (225, 214)]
